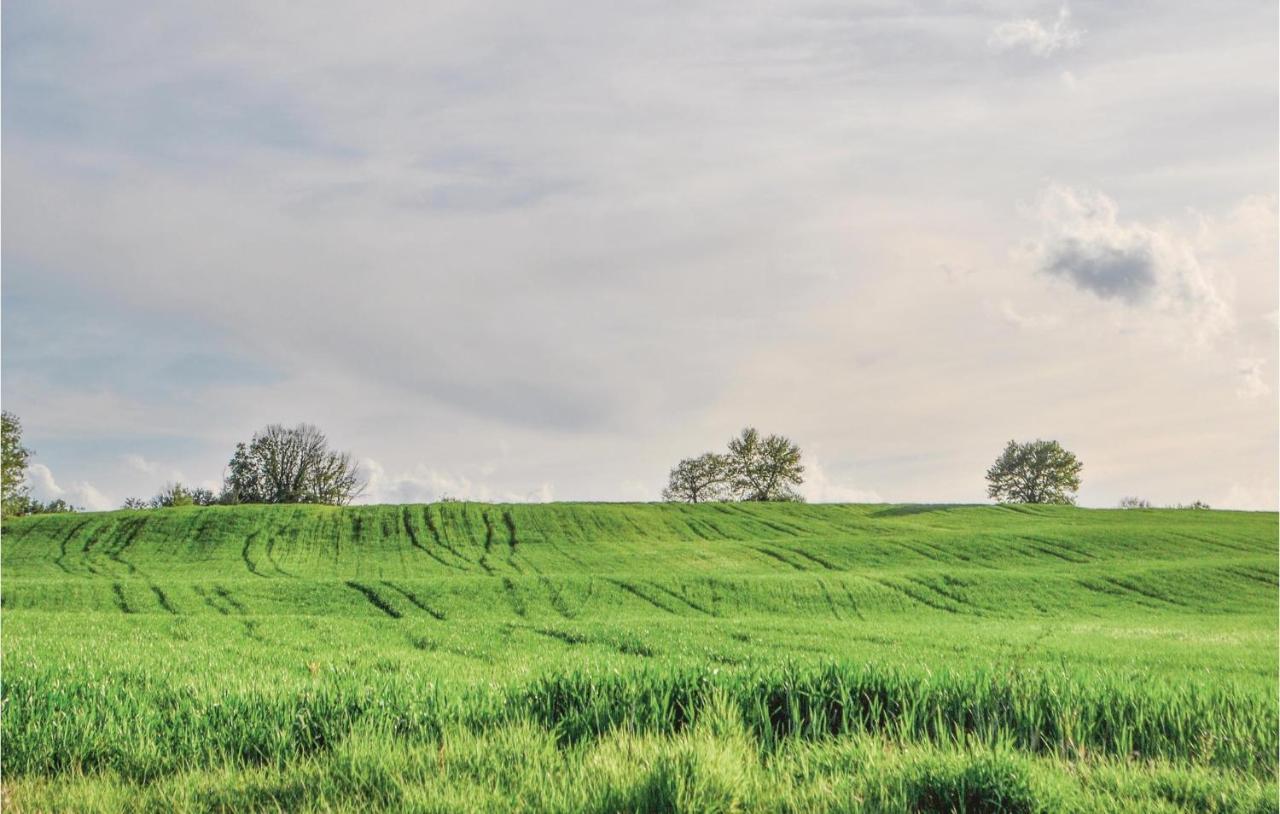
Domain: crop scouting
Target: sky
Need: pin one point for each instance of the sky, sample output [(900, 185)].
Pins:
[(542, 251)]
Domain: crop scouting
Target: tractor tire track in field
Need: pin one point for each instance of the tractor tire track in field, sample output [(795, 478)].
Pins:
[(681, 598), (121, 540), (517, 604), (88, 551), (469, 530), (121, 602), (692, 524), (512, 541), (441, 536), (62, 545), (572, 639), (435, 535), (415, 601), (1216, 542), (830, 601), (558, 602), (163, 600), (374, 599), (789, 531), (1118, 592), (853, 603), (1058, 550), (563, 636), (244, 555), (932, 554), (250, 625), (208, 600), (271, 557), (226, 596), (825, 563), (916, 596), (1254, 575), (488, 543), (550, 540), (636, 592), (777, 555), (964, 604), (1150, 593)]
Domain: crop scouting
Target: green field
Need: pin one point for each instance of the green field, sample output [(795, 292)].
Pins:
[(617, 657)]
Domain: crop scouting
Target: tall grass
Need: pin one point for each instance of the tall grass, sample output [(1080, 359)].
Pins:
[(143, 726), (587, 657)]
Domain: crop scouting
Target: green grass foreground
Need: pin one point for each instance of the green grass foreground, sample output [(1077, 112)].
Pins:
[(617, 657)]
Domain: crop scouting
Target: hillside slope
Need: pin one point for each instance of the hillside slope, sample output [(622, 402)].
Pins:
[(583, 560), (462, 656)]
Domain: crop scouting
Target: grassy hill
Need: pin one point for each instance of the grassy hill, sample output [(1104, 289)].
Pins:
[(639, 657)]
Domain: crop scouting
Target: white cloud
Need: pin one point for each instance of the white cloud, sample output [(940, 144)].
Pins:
[(1253, 383), (1245, 497), (818, 487), (422, 484), (1153, 266), (1032, 35), (162, 473), (1031, 321), (78, 493)]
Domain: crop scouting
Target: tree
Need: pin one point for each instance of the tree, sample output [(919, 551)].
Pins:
[(55, 506), (697, 480), (14, 493), (291, 465), (1034, 472), (764, 469), (1134, 503)]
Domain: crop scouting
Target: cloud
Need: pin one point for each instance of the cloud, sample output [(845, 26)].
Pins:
[(1086, 245), (80, 493), (1030, 321), (422, 484), (1119, 272), (1253, 383), (818, 487), (162, 474), (433, 233), (1031, 35)]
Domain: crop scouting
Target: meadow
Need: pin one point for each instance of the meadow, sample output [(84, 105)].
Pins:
[(637, 657)]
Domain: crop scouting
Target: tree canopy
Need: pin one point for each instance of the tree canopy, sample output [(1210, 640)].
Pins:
[(1035, 472), (14, 457), (765, 469), (755, 468), (291, 465), (698, 480)]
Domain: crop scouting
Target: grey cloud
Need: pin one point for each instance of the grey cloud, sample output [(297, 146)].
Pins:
[(1142, 265), (1125, 273)]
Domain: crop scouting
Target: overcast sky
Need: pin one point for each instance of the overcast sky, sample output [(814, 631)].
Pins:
[(534, 251)]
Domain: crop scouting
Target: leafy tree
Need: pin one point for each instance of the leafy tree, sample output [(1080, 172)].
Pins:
[(291, 465), (173, 494), (1034, 472), (700, 479), (1134, 503), (764, 469), (14, 492), (136, 503), (203, 497), (55, 506)]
